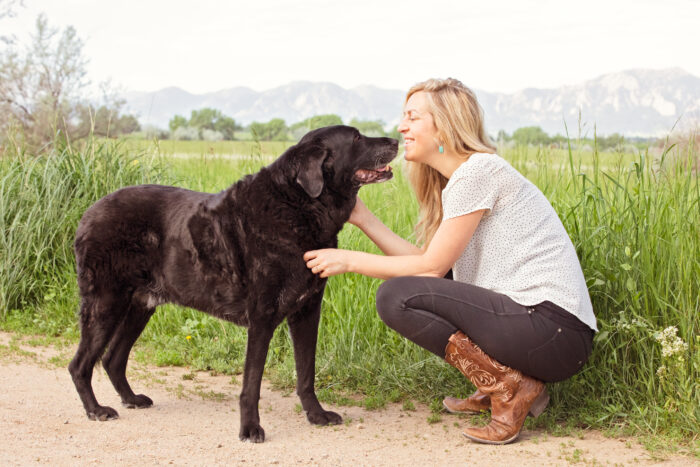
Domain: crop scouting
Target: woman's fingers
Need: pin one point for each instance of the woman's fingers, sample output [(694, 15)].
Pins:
[(326, 262), (310, 254), (313, 262)]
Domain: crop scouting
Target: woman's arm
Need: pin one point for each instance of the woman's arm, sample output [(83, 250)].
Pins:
[(450, 240), (382, 236)]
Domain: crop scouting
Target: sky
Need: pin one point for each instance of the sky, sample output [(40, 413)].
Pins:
[(495, 45)]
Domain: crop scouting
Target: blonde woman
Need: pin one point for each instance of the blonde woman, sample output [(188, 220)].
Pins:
[(517, 313)]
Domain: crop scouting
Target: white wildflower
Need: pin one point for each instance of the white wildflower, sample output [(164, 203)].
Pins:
[(661, 372), (671, 344)]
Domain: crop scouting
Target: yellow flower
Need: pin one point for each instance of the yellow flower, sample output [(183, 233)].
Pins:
[(188, 337), (135, 162)]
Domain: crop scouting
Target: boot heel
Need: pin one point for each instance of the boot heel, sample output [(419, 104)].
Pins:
[(540, 404)]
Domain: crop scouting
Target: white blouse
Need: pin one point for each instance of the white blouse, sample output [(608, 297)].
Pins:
[(520, 247)]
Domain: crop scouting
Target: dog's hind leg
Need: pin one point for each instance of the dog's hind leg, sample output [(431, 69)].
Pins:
[(115, 360), (303, 328), (99, 316), (259, 336)]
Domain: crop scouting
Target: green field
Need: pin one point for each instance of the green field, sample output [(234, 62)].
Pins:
[(206, 149), (633, 219)]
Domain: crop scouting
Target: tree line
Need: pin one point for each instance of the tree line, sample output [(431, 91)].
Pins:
[(210, 124), (206, 124), (536, 136)]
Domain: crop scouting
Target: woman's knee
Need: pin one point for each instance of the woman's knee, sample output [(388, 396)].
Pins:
[(391, 299)]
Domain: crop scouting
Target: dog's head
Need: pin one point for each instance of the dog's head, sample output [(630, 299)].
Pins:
[(339, 158)]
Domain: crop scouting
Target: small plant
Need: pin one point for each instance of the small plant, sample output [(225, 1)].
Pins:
[(436, 406), (374, 402), (434, 418), (673, 373)]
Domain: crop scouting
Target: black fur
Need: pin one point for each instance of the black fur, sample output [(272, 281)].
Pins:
[(236, 255)]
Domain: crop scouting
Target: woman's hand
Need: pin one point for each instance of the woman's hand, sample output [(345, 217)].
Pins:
[(359, 213), (327, 262)]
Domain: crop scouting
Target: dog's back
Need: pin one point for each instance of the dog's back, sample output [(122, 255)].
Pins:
[(119, 240)]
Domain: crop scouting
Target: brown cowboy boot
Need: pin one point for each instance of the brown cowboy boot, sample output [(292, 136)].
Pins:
[(477, 402), (512, 393)]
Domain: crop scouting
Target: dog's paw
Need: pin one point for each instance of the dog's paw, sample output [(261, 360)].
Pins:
[(252, 432), (324, 418), (137, 402), (103, 413)]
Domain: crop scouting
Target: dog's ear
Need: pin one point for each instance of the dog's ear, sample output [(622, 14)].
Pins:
[(310, 173)]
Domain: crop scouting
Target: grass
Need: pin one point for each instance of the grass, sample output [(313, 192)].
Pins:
[(41, 200), (633, 219), (209, 149)]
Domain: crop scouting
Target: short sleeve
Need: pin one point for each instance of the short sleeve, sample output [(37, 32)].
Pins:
[(472, 191)]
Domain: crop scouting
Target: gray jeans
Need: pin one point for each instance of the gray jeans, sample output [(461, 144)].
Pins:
[(543, 341)]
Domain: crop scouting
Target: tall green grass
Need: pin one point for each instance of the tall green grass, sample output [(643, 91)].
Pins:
[(636, 228), (633, 219), (41, 201)]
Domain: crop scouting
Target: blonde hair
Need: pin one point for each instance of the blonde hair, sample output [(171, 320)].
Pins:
[(460, 128)]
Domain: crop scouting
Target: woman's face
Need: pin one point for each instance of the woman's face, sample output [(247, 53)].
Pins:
[(418, 129)]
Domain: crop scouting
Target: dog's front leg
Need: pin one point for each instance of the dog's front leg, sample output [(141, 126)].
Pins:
[(259, 336), (303, 327)]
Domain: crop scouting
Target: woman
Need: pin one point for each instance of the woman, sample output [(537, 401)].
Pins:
[(517, 313)]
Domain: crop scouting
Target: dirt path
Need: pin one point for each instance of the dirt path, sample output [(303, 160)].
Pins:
[(195, 422)]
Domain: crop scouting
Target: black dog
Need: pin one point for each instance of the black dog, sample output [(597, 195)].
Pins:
[(236, 255)]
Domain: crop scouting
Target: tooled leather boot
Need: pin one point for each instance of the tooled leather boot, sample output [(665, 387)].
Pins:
[(512, 393), (477, 402)]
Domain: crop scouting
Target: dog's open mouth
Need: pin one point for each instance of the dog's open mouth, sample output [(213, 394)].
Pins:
[(365, 176)]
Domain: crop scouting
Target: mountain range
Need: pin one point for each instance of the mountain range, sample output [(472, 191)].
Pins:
[(638, 102)]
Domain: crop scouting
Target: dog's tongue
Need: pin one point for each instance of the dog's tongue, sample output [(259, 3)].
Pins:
[(384, 169)]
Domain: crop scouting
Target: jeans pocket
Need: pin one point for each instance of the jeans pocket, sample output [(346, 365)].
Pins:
[(561, 357)]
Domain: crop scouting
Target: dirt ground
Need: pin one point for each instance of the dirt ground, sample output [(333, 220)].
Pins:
[(194, 421)]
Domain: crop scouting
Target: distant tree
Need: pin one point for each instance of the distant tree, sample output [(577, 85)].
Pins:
[(153, 132), (176, 122), (502, 136), (40, 86), (104, 121), (206, 119), (127, 124), (211, 135), (227, 127), (559, 139), (613, 141), (319, 121), (277, 129), (274, 130), (530, 135), (258, 130), (185, 133), (372, 128), (299, 129)]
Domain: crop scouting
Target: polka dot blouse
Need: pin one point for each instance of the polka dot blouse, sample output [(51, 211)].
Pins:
[(520, 247)]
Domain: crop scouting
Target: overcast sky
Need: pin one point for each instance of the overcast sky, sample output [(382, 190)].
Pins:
[(494, 45)]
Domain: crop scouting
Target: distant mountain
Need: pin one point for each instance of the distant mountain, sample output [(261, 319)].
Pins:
[(632, 102)]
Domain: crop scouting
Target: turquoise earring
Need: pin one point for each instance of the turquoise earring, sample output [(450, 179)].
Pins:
[(441, 149)]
